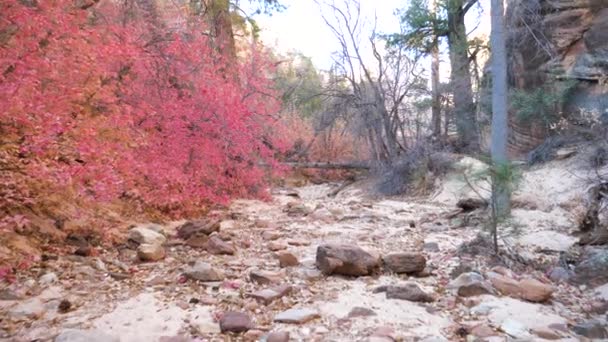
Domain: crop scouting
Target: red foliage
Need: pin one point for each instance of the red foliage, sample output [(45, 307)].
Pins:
[(114, 102)]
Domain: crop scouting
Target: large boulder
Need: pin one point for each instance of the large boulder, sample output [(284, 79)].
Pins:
[(349, 260)]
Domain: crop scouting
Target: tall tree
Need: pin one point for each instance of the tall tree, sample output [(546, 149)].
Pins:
[(423, 29), (435, 94), (500, 185)]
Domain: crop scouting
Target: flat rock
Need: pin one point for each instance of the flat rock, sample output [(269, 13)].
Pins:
[(515, 329), (277, 246), (343, 259), (405, 262), (204, 272), (150, 252), (470, 284), (267, 296), (236, 322), (287, 259), (271, 235), (217, 246), (408, 291), (144, 235), (296, 316), (76, 335), (266, 277)]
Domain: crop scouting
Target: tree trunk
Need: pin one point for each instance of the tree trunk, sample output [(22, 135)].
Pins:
[(464, 108), (436, 104), (219, 10), (500, 187)]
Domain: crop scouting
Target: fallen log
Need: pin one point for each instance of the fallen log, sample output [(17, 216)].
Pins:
[(328, 166)]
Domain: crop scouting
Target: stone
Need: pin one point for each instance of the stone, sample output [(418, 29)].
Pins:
[(294, 242), (431, 246), (199, 227), (591, 329), (217, 246), (266, 277), (278, 336), (197, 241), (504, 284), (296, 316), (559, 274), (470, 284), (483, 331), (10, 294), (405, 262), (48, 279), (150, 252), (514, 328), (267, 296), (144, 235), (271, 235), (546, 333), (408, 291), (593, 270), (349, 260), (277, 246), (236, 322), (287, 259), (77, 335), (33, 308), (310, 275), (204, 272), (359, 311), (253, 335), (64, 306), (534, 291)]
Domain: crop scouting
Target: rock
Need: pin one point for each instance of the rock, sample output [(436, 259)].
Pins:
[(84, 251), (253, 335), (559, 274), (546, 333), (48, 279), (405, 262), (236, 322), (297, 209), (204, 272), (144, 235), (150, 252), (514, 328), (504, 284), (199, 227), (33, 308), (277, 246), (287, 259), (470, 284), (431, 246), (296, 316), (217, 246), (278, 336), (197, 241), (345, 259), (534, 291), (10, 294), (591, 329), (408, 291), (593, 270), (470, 204), (271, 294), (271, 235), (310, 275), (359, 311), (266, 277), (64, 306), (76, 335), (483, 331), (294, 242)]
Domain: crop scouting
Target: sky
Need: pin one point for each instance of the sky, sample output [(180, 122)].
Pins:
[(300, 27)]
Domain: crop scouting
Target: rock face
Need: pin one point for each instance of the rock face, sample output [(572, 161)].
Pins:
[(405, 262), (563, 38), (347, 260)]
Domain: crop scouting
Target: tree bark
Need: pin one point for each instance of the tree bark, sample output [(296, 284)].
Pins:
[(500, 194), (436, 104), (464, 107), (219, 10)]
